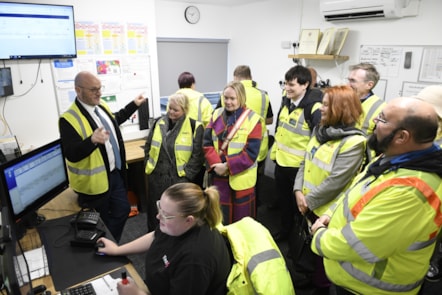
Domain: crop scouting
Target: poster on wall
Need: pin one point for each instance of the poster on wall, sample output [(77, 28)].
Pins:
[(137, 42), (406, 68), (113, 38), (431, 66), (385, 58), (87, 35), (118, 54)]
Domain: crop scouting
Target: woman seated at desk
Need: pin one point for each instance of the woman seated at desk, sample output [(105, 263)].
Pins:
[(185, 254)]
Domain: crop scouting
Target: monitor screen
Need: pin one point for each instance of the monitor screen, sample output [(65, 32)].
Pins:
[(36, 31), (6, 82), (33, 179)]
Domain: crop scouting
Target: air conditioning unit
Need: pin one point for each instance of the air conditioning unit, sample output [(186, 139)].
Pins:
[(334, 10)]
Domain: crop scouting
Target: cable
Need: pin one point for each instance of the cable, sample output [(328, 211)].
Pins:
[(26, 263), (34, 84)]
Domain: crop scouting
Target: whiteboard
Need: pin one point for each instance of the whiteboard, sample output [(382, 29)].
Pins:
[(399, 76)]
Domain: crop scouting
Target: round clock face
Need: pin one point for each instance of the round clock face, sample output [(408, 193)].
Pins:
[(192, 14)]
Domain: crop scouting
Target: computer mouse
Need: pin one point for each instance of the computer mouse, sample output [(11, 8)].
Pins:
[(99, 245)]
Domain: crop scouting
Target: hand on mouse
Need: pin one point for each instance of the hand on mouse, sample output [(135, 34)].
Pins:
[(105, 246)]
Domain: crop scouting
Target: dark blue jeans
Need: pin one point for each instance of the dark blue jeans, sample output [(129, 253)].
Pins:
[(113, 206)]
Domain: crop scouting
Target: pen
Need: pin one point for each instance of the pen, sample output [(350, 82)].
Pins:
[(124, 280)]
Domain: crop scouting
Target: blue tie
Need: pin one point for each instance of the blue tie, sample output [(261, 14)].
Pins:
[(112, 139)]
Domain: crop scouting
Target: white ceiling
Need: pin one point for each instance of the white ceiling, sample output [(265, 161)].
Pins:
[(217, 2)]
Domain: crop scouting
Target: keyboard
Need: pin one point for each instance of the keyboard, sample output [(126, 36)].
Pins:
[(86, 289)]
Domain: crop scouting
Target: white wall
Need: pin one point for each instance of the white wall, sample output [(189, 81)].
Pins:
[(33, 117), (255, 32)]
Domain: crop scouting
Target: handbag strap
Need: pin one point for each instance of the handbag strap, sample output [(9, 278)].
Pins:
[(235, 128)]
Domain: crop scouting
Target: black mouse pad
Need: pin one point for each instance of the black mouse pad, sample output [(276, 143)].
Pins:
[(70, 265)]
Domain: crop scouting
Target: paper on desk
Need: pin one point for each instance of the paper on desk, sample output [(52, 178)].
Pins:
[(105, 285), (36, 261)]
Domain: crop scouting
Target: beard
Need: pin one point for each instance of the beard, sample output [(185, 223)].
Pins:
[(380, 146)]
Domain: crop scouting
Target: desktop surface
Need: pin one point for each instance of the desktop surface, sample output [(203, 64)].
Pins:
[(70, 265), (57, 209)]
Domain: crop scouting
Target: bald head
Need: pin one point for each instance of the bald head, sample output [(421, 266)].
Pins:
[(84, 77), (88, 88), (416, 116)]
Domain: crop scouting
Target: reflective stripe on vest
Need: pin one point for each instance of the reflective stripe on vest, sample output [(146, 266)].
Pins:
[(265, 140), (370, 107), (319, 162), (260, 258), (351, 214), (417, 183), (183, 146), (291, 139), (89, 175), (363, 277), (200, 114), (247, 178)]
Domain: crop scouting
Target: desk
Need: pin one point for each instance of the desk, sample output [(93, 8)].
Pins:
[(134, 150), (63, 205)]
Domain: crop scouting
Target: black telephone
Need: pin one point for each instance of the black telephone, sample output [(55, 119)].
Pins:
[(87, 238), (87, 219), (86, 231)]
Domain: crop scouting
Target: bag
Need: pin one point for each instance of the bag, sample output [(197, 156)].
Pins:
[(304, 260)]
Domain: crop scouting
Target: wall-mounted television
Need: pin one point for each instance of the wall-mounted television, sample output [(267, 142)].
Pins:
[(36, 31)]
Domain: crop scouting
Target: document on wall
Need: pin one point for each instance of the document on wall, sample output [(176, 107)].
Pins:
[(431, 66), (87, 35), (113, 38), (308, 41), (137, 42)]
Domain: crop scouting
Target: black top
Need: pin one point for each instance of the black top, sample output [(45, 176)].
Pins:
[(194, 263)]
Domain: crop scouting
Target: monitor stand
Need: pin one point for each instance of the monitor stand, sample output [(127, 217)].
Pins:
[(31, 220)]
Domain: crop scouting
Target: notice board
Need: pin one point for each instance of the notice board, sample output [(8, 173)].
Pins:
[(404, 70)]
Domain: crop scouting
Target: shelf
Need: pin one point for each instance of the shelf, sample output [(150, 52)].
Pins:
[(320, 57)]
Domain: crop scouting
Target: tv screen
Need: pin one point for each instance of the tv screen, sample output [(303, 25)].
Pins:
[(6, 82), (36, 31), (33, 179)]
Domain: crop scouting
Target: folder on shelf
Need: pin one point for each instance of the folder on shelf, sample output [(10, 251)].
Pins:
[(339, 40), (326, 41), (308, 41)]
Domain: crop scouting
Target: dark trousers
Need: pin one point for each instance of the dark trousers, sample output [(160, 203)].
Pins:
[(260, 175), (113, 206), (284, 180), (337, 290)]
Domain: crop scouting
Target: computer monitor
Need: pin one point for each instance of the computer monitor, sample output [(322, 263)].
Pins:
[(12, 279), (31, 180)]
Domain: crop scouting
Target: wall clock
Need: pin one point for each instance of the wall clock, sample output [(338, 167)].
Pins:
[(192, 14)]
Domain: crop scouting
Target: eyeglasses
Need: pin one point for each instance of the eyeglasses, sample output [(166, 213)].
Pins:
[(93, 90), (353, 81), (378, 118), (164, 216)]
